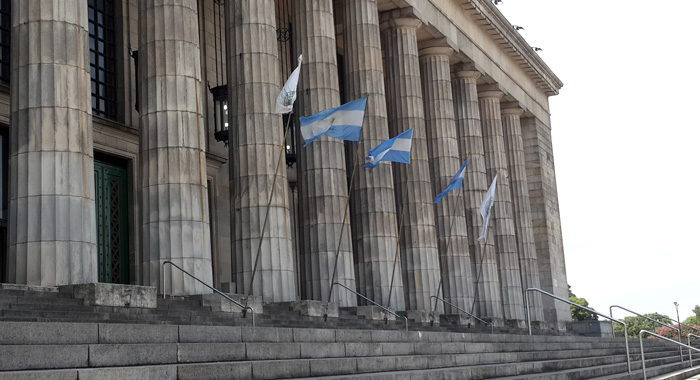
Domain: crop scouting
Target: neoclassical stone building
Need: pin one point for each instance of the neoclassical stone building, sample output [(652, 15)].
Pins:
[(112, 112)]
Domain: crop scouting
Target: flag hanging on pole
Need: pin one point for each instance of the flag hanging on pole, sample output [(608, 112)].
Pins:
[(286, 98), (344, 122), (397, 149), (486, 205), (455, 182)]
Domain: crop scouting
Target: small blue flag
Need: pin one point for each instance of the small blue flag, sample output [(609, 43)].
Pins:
[(455, 182), (344, 122), (397, 149)]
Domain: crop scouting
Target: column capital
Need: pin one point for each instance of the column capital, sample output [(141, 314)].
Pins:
[(490, 91), (438, 46), (512, 108), (466, 71), (410, 23)]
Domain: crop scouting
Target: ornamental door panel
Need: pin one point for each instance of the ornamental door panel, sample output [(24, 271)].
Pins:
[(111, 201)]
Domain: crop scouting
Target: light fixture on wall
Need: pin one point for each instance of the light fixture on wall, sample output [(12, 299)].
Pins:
[(220, 91)]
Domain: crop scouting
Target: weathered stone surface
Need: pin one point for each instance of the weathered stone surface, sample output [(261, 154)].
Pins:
[(372, 206), (161, 372), (471, 144), (52, 234), (316, 308), (503, 229), (257, 174), (445, 161), (21, 357), (210, 352), (374, 313), (325, 220), (522, 217), (45, 333), (420, 264), (112, 355), (220, 303), (173, 192), (131, 334), (102, 294), (210, 334)]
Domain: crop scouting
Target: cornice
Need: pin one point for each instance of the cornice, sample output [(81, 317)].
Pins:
[(502, 31)]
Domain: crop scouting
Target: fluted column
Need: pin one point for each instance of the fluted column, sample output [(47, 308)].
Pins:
[(522, 216), (373, 207), (256, 138), (445, 161), (502, 229), (420, 264), (175, 212), (52, 236), (322, 173), (476, 183)]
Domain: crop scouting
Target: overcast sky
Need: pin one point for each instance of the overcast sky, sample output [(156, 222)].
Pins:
[(626, 135)]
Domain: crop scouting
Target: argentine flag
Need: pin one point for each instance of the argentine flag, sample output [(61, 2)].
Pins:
[(397, 149), (486, 205), (344, 122), (455, 183)]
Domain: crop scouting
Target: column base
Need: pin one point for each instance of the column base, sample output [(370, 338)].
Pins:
[(312, 308), (116, 295), (516, 323), (458, 319), (422, 316), (374, 313), (219, 303)]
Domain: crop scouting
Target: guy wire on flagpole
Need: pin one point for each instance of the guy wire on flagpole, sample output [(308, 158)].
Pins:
[(269, 202), (345, 214), (398, 237), (447, 247)]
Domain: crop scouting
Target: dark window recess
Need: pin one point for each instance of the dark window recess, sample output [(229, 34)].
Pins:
[(135, 56), (103, 66), (5, 31)]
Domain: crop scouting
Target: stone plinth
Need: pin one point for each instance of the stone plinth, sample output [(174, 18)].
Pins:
[(374, 313), (117, 295), (316, 308), (423, 316), (219, 303)]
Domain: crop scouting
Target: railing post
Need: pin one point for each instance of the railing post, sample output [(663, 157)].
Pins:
[(641, 348), (527, 307)]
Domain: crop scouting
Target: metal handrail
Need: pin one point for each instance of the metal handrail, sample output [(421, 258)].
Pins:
[(690, 353), (641, 347), (465, 312), (653, 320), (244, 307), (376, 304), (683, 324), (529, 325)]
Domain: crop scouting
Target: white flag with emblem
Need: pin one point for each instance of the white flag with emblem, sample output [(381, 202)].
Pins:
[(486, 205), (286, 98)]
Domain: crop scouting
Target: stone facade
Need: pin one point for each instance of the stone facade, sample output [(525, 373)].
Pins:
[(455, 71)]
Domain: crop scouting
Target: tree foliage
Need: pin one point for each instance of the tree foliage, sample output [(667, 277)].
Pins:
[(636, 324), (578, 314), (694, 320)]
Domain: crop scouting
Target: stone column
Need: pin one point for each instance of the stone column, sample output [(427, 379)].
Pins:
[(445, 161), (522, 217), (373, 207), (52, 236), (255, 141), (502, 229), (544, 202), (420, 264), (322, 174), (476, 183), (175, 211)]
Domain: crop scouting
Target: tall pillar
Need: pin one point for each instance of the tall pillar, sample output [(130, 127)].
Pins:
[(445, 161), (254, 82), (503, 228), (544, 202), (52, 237), (529, 272), (322, 173), (175, 211), (476, 183), (373, 207), (420, 264)]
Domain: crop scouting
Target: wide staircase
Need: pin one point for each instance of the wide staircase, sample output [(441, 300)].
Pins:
[(46, 335)]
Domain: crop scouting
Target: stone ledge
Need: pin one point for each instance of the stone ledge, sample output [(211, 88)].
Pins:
[(219, 303), (313, 308), (117, 295)]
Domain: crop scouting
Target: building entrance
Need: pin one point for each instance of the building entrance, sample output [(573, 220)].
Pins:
[(111, 203)]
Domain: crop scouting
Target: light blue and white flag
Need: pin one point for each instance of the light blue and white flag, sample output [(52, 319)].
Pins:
[(486, 205), (455, 182), (286, 98), (397, 149), (344, 122)]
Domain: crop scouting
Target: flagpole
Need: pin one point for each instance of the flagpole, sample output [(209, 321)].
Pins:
[(447, 247), (398, 237), (481, 265), (269, 202), (345, 214)]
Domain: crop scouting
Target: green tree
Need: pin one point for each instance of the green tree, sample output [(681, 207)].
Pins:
[(694, 320), (636, 324), (578, 314)]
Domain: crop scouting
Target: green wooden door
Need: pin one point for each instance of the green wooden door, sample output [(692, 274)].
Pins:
[(111, 201)]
